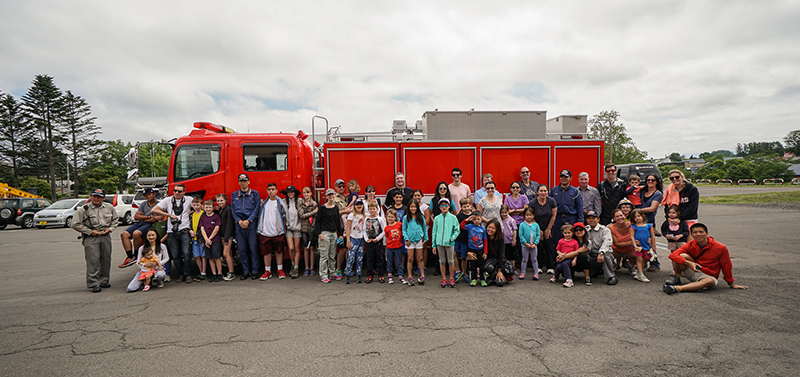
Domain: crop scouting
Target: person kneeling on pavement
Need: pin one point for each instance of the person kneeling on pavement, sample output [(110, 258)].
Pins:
[(700, 261), (152, 243), (496, 268)]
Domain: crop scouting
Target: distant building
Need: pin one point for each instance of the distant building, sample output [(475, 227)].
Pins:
[(795, 169)]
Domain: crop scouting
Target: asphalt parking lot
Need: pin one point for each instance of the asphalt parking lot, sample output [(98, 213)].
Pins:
[(53, 325)]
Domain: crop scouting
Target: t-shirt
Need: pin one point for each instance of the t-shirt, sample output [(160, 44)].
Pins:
[(270, 220), (146, 208), (647, 201), (518, 203), (476, 234), (509, 228), (565, 246), (462, 236), (543, 213), (458, 192), (208, 223), (186, 221), (195, 221), (356, 225), (394, 235), (401, 212), (374, 228), (491, 210), (642, 234)]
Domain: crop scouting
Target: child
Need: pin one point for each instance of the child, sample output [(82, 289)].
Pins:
[(529, 234), (146, 274), (352, 188), (645, 242), (373, 235), (461, 241), (428, 215), (307, 210), (476, 237), (327, 225), (415, 234), (626, 206), (197, 244), (394, 246), (212, 242), (369, 196), (632, 193), (354, 233), (272, 231), (565, 246), (509, 226), (445, 231), (675, 230), (227, 233), (497, 269), (397, 206)]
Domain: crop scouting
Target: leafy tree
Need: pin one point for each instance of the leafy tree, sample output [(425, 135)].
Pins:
[(713, 171), (675, 157), (792, 142), (42, 186), (42, 103), (108, 169), (770, 148), (13, 128), (619, 147), (771, 168), (154, 159), (739, 169), (79, 128)]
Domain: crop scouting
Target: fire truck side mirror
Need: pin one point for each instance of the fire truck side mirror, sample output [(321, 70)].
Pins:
[(132, 157)]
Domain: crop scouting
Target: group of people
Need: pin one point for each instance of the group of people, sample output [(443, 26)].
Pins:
[(481, 238)]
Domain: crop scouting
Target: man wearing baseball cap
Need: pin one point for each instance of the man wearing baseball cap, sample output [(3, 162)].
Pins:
[(245, 205), (95, 221), (599, 254), (133, 236), (570, 204)]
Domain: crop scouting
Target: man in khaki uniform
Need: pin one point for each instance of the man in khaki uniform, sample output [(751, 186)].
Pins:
[(95, 221)]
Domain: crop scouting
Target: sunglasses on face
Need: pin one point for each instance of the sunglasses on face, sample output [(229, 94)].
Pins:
[(442, 188), (443, 205), (370, 191), (675, 177), (526, 172), (456, 175), (515, 187), (651, 180), (611, 170), (489, 188), (178, 191)]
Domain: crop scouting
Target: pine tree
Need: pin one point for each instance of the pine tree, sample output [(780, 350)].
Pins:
[(13, 129), (42, 104), (80, 131)]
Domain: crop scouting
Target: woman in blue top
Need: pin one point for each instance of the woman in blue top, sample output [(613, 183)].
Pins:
[(652, 196), (415, 234)]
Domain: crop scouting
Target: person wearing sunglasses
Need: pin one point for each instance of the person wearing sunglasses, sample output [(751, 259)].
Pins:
[(612, 190), (458, 189), (179, 242), (684, 195), (527, 186)]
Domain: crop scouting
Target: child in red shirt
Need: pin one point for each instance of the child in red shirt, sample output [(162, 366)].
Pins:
[(565, 246), (394, 246), (633, 191)]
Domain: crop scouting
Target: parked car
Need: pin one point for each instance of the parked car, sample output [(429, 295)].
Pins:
[(123, 204), (642, 170), (58, 214), (20, 211)]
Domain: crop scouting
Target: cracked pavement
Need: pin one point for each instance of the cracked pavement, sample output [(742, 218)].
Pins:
[(53, 325)]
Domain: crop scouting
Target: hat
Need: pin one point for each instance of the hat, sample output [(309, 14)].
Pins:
[(444, 200), (591, 214), (99, 192), (358, 201), (148, 190), (338, 181), (565, 173), (243, 177), (330, 192), (625, 201), (579, 225), (290, 188)]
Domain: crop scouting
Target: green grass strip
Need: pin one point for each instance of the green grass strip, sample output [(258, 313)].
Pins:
[(770, 197)]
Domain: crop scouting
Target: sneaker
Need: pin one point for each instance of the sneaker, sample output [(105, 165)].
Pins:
[(473, 283), (96, 289), (421, 280), (167, 279), (568, 283), (281, 274), (160, 284), (127, 262), (347, 280), (673, 280), (536, 277), (254, 276), (452, 283), (229, 277), (390, 280), (244, 276), (200, 277), (311, 272), (588, 282), (510, 278), (266, 275), (294, 273), (326, 280), (146, 288), (381, 279), (188, 279), (358, 279), (550, 271), (539, 271), (642, 278), (444, 283), (369, 279), (410, 281), (483, 283), (305, 273), (337, 275), (553, 279), (670, 289), (466, 278), (459, 275), (522, 276), (401, 280)]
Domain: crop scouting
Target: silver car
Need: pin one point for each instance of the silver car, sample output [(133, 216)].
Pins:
[(58, 214)]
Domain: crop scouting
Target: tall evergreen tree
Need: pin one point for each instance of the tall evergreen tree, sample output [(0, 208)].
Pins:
[(42, 103), (80, 131), (13, 130)]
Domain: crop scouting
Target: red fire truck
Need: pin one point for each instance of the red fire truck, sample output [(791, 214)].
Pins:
[(209, 159)]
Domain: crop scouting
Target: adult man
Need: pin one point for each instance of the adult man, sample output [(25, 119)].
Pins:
[(341, 202), (179, 241), (399, 185), (95, 221), (245, 204), (700, 261), (612, 190), (589, 194), (480, 193), (133, 236), (527, 187), (272, 231), (600, 253), (458, 189), (570, 204)]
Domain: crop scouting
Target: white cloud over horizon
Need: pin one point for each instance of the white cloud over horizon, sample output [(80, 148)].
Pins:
[(685, 76)]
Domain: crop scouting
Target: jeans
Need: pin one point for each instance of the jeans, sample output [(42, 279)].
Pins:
[(564, 267), (327, 254), (355, 255), (180, 251), (394, 260), (373, 255), (247, 242)]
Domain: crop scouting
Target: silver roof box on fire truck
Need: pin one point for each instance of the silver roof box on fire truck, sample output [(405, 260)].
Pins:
[(484, 125)]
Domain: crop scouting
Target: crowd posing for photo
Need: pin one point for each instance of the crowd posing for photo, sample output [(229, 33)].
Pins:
[(479, 238)]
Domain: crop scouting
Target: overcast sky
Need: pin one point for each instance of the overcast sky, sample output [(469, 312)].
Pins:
[(686, 76)]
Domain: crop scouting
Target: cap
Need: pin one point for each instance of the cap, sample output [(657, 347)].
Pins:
[(625, 201), (338, 181), (444, 200), (358, 201), (99, 192), (148, 190), (565, 173), (591, 214), (579, 225), (330, 192), (243, 177)]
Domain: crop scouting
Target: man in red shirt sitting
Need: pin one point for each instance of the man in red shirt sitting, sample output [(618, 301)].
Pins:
[(700, 261)]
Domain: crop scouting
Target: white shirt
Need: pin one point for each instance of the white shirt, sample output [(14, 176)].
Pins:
[(270, 220), (356, 226), (186, 217)]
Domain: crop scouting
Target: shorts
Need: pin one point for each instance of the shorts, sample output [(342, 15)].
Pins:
[(511, 252), (141, 226), (643, 253), (445, 253), (417, 245), (197, 249), (294, 233), (461, 249), (694, 276), (213, 252), (268, 245), (672, 246)]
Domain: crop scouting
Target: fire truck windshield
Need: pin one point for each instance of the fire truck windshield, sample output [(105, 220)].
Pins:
[(196, 160)]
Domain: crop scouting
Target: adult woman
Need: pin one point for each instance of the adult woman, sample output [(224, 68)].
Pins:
[(489, 205), (370, 196), (293, 228), (622, 237), (581, 255), (442, 191), (651, 198), (544, 210), (684, 195), (516, 203), (308, 210), (498, 270)]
